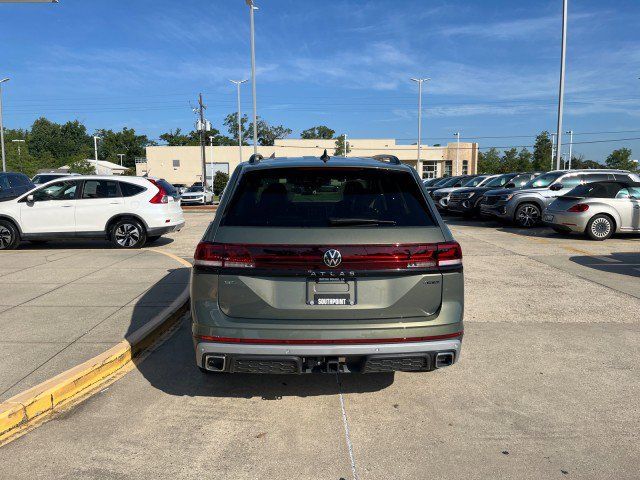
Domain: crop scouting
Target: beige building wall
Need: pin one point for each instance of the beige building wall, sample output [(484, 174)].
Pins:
[(182, 165)]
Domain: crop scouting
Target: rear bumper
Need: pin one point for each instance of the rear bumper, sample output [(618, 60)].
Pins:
[(365, 358), (166, 229), (567, 222)]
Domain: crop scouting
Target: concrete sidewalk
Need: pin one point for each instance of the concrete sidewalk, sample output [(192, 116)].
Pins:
[(62, 306)]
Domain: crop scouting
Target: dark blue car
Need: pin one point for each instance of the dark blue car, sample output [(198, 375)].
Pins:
[(13, 185)]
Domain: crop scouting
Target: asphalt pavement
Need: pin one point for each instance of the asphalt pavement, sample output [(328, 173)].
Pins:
[(547, 387)]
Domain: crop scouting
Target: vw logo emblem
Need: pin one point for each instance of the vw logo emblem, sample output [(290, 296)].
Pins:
[(332, 258)]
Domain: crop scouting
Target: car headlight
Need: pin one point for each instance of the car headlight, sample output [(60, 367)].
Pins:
[(506, 198)]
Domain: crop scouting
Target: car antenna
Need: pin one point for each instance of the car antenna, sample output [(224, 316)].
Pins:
[(273, 155), (325, 156)]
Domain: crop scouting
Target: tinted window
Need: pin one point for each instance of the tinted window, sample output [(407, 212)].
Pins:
[(129, 189), (170, 189), (18, 180), (4, 182), (473, 181), (57, 191), (520, 180), (622, 176), (543, 180), (327, 198), (498, 181), (596, 190), (634, 192), (597, 177), (571, 181), (100, 189), (44, 178), (195, 189)]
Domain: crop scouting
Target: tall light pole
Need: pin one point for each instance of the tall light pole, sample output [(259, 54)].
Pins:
[(419, 81), (553, 149), (563, 56), (211, 161), (121, 155), (4, 161), (252, 7), (237, 84), (570, 133), (457, 135), (345, 145)]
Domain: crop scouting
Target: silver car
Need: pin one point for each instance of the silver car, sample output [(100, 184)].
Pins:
[(597, 209)]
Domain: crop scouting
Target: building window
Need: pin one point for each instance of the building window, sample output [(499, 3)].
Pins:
[(429, 169), (465, 167), (448, 168), (176, 164)]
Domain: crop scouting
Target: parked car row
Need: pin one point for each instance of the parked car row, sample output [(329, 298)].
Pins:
[(608, 201)]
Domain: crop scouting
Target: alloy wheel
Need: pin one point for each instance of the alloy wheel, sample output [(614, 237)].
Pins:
[(6, 237), (127, 235), (528, 216), (601, 227)]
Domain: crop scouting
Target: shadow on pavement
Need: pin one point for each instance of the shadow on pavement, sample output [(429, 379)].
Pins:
[(171, 368), (69, 244), (622, 263)]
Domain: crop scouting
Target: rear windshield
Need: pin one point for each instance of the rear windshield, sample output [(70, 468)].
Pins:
[(337, 197), (39, 179), (600, 190)]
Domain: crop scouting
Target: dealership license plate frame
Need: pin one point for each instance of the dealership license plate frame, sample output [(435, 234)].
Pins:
[(331, 292), (547, 217)]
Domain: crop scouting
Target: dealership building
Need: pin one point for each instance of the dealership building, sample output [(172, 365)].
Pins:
[(183, 165)]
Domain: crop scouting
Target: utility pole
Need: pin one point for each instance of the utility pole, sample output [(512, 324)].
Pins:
[(345, 145), (553, 149), (211, 160), (237, 84), (252, 7), (563, 56), (570, 132), (95, 147), (18, 142), (121, 155), (457, 134), (202, 128), (419, 81), (4, 161)]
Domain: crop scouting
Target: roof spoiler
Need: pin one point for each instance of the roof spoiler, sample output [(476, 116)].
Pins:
[(255, 158), (387, 158)]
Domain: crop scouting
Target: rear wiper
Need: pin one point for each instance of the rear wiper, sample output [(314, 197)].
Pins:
[(359, 221)]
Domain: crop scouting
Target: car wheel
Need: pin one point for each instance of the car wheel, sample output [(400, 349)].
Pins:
[(9, 237), (528, 215), (600, 227), (128, 233)]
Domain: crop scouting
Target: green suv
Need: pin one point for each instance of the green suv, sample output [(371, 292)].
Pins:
[(326, 265)]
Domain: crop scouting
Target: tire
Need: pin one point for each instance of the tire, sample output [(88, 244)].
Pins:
[(600, 227), (9, 236), (128, 233), (527, 215)]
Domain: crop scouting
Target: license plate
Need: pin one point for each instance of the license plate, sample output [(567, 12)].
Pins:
[(547, 218)]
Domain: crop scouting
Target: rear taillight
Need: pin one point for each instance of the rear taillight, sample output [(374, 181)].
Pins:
[(161, 196), (304, 258), (579, 207)]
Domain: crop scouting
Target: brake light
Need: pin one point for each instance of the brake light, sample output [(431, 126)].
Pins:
[(304, 258), (578, 208), (161, 196)]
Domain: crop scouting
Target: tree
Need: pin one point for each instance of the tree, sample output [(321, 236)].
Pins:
[(580, 163), (319, 132), (178, 139), (524, 161), (125, 142), (220, 180), (621, 159), (542, 151), (50, 139), (489, 161), (509, 161), (81, 166), (268, 134), (339, 151), (231, 122)]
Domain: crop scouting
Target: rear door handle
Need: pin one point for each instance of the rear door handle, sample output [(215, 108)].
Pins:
[(66, 206)]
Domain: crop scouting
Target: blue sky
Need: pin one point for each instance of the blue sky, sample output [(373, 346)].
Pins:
[(493, 66)]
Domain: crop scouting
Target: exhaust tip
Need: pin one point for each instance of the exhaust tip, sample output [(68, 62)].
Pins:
[(215, 363), (444, 359)]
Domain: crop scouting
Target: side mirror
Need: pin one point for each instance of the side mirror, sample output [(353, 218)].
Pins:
[(556, 186), (30, 198), (510, 185)]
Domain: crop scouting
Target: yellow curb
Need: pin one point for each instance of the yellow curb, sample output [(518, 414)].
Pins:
[(20, 412)]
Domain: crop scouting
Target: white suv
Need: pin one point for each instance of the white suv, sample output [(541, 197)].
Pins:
[(129, 211)]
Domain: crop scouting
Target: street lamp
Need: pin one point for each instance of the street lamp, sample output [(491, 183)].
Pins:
[(561, 89), (237, 83), (457, 135), (121, 155), (4, 161), (253, 7), (419, 81)]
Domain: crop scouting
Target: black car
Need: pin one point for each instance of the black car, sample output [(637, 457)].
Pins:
[(447, 182), (13, 185), (467, 200)]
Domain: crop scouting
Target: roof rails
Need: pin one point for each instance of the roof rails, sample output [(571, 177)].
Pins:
[(387, 158), (255, 158)]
